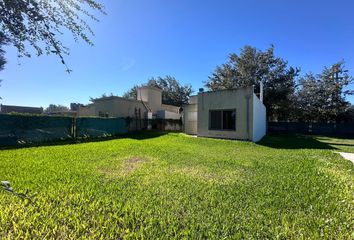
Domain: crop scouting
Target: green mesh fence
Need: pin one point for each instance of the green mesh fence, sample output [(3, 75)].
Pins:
[(100, 127), (330, 129), (22, 129)]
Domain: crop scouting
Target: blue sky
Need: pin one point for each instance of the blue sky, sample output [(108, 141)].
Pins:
[(185, 39)]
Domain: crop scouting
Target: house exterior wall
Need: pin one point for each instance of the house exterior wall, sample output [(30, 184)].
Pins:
[(20, 109), (148, 99), (167, 115), (238, 99), (170, 108), (86, 111), (114, 107), (193, 99), (259, 119), (190, 119), (152, 96)]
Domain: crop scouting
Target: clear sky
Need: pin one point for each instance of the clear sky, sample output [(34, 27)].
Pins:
[(186, 39)]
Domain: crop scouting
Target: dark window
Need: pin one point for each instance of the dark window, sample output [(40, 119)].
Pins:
[(222, 119), (215, 120), (229, 120)]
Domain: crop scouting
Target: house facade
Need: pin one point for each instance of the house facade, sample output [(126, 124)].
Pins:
[(147, 105), (229, 114), (20, 109)]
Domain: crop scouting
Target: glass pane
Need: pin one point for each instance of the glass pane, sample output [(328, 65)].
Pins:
[(215, 120), (229, 120)]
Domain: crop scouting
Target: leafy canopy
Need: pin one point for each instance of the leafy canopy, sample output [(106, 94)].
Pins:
[(38, 23), (2, 52), (321, 97), (52, 108), (253, 66)]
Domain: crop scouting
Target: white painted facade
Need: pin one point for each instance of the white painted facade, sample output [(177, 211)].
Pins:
[(148, 105), (259, 119), (238, 114)]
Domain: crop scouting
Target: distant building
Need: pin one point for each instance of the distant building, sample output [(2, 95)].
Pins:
[(63, 113), (148, 105), (20, 109)]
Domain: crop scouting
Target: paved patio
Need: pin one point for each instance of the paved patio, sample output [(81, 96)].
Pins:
[(348, 156)]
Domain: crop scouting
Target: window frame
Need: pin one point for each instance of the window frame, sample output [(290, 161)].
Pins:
[(222, 120)]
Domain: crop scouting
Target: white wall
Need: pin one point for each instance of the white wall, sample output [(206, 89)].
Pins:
[(114, 107), (259, 119), (190, 119), (152, 96), (167, 115), (170, 108), (233, 99)]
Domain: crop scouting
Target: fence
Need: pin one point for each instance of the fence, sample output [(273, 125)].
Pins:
[(99, 127), (29, 129), (332, 129), (136, 124), (23, 129)]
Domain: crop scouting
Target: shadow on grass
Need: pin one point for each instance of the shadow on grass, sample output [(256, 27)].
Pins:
[(134, 135), (145, 135), (293, 142)]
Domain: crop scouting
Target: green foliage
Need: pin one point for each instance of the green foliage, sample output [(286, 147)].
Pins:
[(172, 186), (2, 52), (173, 92), (253, 66), (38, 23), (322, 97), (52, 108), (104, 95)]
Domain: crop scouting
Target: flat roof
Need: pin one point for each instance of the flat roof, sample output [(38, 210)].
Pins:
[(113, 98)]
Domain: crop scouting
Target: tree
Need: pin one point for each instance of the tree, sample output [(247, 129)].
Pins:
[(52, 108), (104, 95), (38, 23), (75, 106), (348, 115), (321, 97), (173, 92), (253, 66), (131, 93), (2, 52)]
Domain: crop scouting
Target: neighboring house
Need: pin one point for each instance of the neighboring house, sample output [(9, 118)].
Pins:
[(20, 109), (230, 114), (148, 105), (63, 113)]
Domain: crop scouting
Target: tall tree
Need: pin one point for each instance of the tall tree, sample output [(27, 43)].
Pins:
[(2, 54), (38, 23), (52, 108), (253, 66), (173, 92), (322, 97)]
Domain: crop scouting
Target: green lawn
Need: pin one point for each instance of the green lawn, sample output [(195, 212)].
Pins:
[(340, 145), (175, 186)]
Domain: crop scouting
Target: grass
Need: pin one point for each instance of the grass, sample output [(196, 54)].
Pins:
[(342, 145), (175, 186)]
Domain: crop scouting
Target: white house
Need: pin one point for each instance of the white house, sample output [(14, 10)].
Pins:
[(230, 114)]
